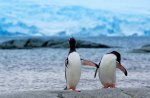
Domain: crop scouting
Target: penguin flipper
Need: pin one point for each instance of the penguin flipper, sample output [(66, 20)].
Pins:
[(89, 63), (66, 66), (66, 62), (97, 69), (119, 66), (95, 73)]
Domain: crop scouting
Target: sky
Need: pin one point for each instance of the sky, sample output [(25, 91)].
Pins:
[(142, 6)]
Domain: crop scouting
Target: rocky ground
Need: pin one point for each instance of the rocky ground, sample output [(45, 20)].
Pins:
[(99, 93)]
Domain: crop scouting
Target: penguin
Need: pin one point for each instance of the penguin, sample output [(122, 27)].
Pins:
[(107, 69), (73, 66)]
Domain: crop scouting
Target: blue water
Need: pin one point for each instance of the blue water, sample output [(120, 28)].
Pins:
[(43, 68)]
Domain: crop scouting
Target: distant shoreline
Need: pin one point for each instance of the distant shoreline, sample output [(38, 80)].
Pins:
[(38, 42)]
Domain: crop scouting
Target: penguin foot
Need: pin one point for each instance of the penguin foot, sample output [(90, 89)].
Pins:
[(74, 89), (113, 86), (107, 85)]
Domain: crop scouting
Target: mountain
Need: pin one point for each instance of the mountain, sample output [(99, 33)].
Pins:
[(28, 18)]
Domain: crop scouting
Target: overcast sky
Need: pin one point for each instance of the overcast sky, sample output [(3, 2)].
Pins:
[(113, 5), (137, 6), (107, 3)]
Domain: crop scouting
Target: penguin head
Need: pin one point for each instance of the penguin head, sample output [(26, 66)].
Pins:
[(72, 43), (117, 54)]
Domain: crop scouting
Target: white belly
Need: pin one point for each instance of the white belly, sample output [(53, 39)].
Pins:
[(73, 72), (107, 70)]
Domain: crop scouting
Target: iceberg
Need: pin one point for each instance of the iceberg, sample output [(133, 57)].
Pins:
[(35, 19)]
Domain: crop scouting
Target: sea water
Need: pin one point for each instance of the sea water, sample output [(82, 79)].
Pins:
[(44, 69)]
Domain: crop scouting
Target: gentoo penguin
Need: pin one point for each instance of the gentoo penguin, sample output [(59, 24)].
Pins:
[(107, 69), (73, 66)]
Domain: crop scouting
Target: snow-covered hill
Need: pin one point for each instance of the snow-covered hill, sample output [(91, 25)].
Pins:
[(29, 18)]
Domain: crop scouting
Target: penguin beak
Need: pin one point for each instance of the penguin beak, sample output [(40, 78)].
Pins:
[(119, 66)]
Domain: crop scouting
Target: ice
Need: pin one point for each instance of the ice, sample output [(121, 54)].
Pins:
[(40, 18)]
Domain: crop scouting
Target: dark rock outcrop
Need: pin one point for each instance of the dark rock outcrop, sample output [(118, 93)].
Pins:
[(52, 43), (143, 49)]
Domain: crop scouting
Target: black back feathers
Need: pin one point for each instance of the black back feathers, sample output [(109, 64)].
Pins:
[(72, 43), (117, 55)]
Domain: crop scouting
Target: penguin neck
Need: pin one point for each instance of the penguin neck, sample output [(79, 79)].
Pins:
[(72, 49)]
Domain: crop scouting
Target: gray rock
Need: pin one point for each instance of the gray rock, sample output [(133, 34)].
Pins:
[(99, 93), (87, 44), (32, 43), (137, 92), (143, 49), (11, 44), (30, 94), (42, 42)]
